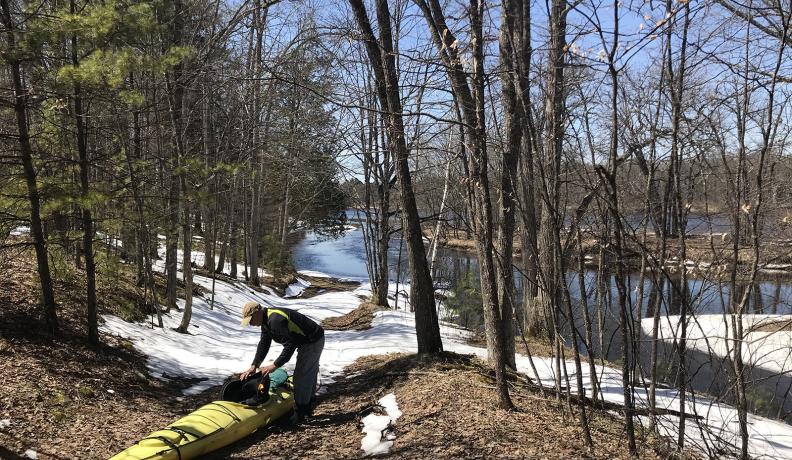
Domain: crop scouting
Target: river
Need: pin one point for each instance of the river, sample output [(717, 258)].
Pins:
[(345, 257)]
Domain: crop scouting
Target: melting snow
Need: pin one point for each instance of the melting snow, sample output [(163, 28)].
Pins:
[(375, 427), (297, 288)]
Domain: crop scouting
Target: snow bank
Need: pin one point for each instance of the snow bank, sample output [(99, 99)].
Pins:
[(314, 274), (375, 427), (768, 350)]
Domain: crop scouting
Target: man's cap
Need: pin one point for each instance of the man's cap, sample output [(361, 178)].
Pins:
[(250, 309)]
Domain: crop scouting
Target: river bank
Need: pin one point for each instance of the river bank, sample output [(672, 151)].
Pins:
[(706, 255)]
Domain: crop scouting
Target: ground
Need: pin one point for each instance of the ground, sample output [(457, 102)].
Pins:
[(448, 409), (64, 399), (358, 319)]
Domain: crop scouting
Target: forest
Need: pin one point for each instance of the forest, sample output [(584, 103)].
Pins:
[(613, 175)]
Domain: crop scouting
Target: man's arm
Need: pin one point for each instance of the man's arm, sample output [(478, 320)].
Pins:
[(263, 346), (286, 354)]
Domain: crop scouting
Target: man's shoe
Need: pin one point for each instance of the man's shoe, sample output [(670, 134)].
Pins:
[(297, 417)]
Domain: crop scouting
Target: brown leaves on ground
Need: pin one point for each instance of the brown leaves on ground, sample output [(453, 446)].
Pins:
[(771, 326), (279, 284), (62, 398), (358, 319), (448, 404), (320, 285)]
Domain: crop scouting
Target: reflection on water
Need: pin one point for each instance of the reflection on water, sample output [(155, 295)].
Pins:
[(345, 257)]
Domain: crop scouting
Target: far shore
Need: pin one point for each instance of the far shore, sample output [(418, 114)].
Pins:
[(705, 255)]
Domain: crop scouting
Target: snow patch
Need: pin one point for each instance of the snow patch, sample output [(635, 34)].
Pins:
[(19, 231), (5, 423), (375, 427), (32, 454), (778, 266), (769, 350), (297, 288), (314, 274), (112, 241), (390, 405)]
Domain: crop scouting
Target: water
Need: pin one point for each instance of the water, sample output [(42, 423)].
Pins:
[(345, 257)]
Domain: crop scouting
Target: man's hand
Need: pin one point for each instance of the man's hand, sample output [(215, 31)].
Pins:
[(250, 371), (267, 369)]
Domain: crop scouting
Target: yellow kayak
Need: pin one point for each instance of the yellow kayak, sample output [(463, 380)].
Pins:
[(209, 428)]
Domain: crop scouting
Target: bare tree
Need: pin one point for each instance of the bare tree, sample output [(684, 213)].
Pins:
[(381, 57)]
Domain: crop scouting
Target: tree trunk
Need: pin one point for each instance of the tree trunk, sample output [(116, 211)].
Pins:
[(382, 61), (26, 153), (470, 100), (221, 257), (87, 220), (176, 94), (504, 247), (172, 242), (232, 246), (548, 259)]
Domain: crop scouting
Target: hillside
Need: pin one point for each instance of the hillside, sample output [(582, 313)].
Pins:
[(66, 400)]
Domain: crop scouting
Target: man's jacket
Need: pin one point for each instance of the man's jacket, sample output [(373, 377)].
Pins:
[(288, 328)]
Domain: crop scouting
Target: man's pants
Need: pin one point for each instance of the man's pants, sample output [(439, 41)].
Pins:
[(306, 371)]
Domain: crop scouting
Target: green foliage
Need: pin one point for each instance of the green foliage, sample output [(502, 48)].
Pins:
[(172, 57), (86, 392), (132, 98), (100, 68), (129, 310), (276, 256), (99, 22), (61, 265), (465, 301), (108, 265), (108, 36)]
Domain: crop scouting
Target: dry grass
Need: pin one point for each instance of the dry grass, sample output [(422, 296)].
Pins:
[(358, 319)]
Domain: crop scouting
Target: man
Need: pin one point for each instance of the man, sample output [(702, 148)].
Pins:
[(294, 331)]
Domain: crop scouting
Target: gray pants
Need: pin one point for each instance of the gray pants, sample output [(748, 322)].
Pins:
[(306, 372)]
